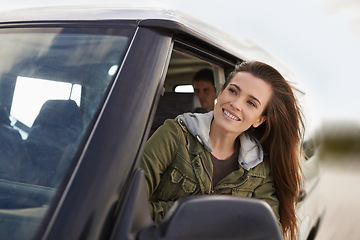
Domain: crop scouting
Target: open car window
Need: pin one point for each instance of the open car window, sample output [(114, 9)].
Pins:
[(52, 84), (179, 96)]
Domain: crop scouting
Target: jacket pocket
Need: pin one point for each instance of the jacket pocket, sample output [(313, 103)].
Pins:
[(177, 185), (247, 189), (188, 186)]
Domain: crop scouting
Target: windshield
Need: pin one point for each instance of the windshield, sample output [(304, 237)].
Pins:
[(52, 83)]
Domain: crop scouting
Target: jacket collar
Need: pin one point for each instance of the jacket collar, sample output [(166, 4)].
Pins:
[(198, 124)]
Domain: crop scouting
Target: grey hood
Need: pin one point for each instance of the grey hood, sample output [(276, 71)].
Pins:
[(198, 124)]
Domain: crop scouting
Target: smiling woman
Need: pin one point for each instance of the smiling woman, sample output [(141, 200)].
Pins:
[(243, 102), (241, 148)]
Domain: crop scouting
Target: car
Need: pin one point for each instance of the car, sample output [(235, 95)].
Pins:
[(82, 88)]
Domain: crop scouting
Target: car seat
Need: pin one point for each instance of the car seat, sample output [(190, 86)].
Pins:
[(52, 138), (12, 148), (172, 104)]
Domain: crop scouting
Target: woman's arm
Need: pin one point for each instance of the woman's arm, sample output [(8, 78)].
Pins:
[(159, 153), (266, 192)]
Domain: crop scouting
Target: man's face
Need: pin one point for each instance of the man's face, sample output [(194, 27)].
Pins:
[(206, 93)]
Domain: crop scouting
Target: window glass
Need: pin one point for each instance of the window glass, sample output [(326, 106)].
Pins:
[(184, 88), (30, 94), (52, 83)]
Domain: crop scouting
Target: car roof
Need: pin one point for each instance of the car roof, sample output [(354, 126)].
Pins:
[(176, 21)]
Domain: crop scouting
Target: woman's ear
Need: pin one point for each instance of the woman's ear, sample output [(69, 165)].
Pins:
[(259, 121)]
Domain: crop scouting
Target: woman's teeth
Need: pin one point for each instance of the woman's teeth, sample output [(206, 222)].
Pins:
[(230, 115)]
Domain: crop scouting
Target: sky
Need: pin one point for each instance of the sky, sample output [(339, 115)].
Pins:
[(318, 40)]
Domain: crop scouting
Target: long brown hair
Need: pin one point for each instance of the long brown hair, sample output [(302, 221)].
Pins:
[(280, 136)]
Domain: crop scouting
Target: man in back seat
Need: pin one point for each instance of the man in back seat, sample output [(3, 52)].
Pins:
[(204, 88)]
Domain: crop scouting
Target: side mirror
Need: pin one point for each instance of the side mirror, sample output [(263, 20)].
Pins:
[(217, 217), (309, 147)]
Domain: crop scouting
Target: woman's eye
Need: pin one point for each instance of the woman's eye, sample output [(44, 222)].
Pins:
[(252, 103), (232, 90)]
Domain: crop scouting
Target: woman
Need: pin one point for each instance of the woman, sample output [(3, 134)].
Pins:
[(248, 146)]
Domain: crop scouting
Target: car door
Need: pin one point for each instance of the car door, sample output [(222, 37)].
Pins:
[(96, 190), (185, 59), (80, 147)]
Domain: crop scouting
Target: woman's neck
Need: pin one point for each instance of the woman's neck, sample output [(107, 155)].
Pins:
[(222, 143)]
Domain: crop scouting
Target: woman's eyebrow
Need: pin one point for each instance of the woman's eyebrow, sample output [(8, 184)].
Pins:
[(255, 99), (251, 96), (235, 86)]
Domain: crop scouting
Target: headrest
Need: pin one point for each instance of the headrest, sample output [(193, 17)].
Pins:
[(58, 113)]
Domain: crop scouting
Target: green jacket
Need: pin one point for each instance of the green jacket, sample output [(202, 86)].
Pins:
[(176, 164)]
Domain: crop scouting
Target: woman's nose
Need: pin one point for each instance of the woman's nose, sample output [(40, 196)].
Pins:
[(237, 104)]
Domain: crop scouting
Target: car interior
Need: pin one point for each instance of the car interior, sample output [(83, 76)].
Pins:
[(179, 96)]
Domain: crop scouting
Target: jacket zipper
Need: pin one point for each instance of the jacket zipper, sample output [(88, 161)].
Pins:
[(212, 191), (207, 172)]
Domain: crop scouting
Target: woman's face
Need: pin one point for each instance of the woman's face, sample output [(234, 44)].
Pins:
[(241, 104)]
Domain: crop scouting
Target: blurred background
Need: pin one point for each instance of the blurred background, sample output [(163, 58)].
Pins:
[(319, 41)]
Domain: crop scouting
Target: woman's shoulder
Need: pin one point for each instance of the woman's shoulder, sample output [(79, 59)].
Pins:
[(262, 169), (171, 128), (174, 124)]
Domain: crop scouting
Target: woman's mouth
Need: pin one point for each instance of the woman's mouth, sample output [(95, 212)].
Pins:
[(230, 115)]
